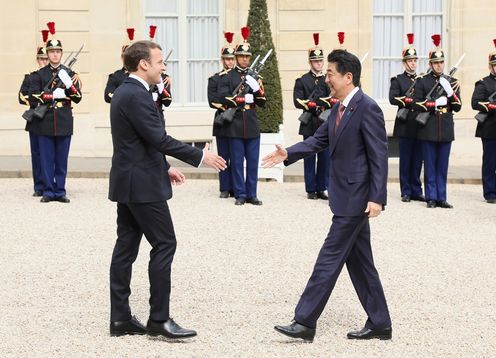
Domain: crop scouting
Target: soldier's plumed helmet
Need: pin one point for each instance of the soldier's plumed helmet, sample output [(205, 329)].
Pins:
[(437, 53), (228, 50), (244, 47), (315, 53), (409, 52), (492, 55), (53, 43)]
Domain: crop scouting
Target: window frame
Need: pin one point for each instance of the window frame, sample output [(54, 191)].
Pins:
[(182, 51), (408, 14)]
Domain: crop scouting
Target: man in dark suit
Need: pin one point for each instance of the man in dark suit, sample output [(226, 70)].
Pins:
[(357, 141), (140, 183)]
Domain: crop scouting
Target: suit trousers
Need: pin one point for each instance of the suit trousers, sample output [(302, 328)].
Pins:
[(240, 150), (225, 181), (436, 161), (316, 179), (54, 153), (489, 168), (348, 241), (410, 166), (134, 220), (36, 163)]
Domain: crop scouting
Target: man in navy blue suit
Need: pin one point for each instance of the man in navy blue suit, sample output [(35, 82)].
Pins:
[(140, 183), (357, 141)]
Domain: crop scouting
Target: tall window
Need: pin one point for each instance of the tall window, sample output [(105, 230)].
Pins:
[(392, 20), (191, 29)]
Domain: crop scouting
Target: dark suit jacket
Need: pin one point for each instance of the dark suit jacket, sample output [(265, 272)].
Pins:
[(139, 169), (358, 156)]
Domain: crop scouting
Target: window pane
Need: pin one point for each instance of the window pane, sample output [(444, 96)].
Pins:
[(388, 36), (203, 38), (166, 37), (426, 6), (161, 6), (172, 70), (198, 72), (423, 28), (203, 7), (384, 69), (387, 6)]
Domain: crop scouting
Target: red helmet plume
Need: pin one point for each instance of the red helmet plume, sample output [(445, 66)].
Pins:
[(51, 27), (436, 39), (130, 34), (229, 36), (316, 38), (410, 38), (153, 30), (245, 32), (341, 37)]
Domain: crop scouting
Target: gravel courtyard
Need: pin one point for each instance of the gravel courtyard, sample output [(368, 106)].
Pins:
[(238, 271)]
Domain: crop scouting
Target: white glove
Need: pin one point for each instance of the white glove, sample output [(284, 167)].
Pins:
[(248, 98), (65, 78), (253, 83), (155, 96), (160, 87), (441, 101), (59, 93), (446, 85)]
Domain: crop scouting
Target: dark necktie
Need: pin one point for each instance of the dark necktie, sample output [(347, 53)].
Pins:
[(339, 116)]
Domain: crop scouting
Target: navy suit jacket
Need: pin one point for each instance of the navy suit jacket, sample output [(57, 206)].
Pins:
[(358, 155), (139, 168)]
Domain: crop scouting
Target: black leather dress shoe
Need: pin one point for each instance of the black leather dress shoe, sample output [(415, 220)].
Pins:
[(224, 194), (405, 198), (122, 328), (491, 201), (431, 203), (418, 198), (240, 201), (312, 196), (62, 199), (169, 329), (45, 199), (322, 195), (254, 201), (444, 204), (296, 330), (37, 194), (367, 333)]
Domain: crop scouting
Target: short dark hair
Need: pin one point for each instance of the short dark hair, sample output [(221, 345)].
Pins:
[(346, 62), (140, 50)]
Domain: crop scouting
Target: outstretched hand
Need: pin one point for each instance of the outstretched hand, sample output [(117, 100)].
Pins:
[(213, 160), (276, 157)]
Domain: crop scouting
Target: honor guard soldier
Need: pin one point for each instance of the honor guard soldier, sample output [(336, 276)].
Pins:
[(217, 84), (161, 92), (56, 87), (244, 130), (405, 126), (115, 79), (42, 60), (484, 101), (438, 132), (307, 93)]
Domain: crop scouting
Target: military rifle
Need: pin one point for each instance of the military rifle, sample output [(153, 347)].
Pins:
[(254, 70), (40, 111), (403, 112), (481, 116), (306, 115), (436, 92)]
